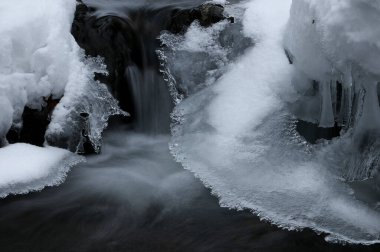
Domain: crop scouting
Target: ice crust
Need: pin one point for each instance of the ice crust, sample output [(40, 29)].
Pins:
[(25, 168), (39, 58), (238, 134)]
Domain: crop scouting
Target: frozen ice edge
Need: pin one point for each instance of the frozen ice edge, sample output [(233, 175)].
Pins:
[(56, 176), (231, 202)]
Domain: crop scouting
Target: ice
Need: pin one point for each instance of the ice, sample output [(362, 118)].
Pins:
[(39, 58), (84, 109), (25, 168), (201, 56), (238, 134), (188, 50), (338, 41)]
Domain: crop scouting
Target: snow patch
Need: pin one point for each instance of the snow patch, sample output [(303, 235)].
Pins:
[(25, 168)]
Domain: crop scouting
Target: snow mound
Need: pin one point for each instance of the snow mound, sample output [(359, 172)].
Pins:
[(25, 168), (39, 59)]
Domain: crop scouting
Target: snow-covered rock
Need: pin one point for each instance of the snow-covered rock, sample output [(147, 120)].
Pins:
[(39, 59), (25, 167)]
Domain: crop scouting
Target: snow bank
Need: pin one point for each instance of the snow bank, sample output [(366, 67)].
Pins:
[(238, 135), (25, 168), (39, 59)]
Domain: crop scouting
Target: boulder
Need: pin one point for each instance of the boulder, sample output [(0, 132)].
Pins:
[(206, 14)]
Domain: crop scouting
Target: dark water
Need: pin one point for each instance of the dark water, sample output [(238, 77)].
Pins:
[(105, 7), (134, 197)]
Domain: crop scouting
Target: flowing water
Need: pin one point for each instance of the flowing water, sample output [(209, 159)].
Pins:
[(134, 197)]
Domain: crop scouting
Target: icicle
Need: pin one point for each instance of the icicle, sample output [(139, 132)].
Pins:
[(334, 96), (348, 88), (346, 106), (370, 117), (327, 115)]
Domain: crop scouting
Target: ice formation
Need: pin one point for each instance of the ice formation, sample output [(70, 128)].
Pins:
[(238, 134), (25, 167), (335, 44), (39, 59), (338, 42)]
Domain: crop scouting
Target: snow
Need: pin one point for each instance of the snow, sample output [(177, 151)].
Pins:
[(36, 52), (238, 134), (25, 167), (40, 59), (343, 33)]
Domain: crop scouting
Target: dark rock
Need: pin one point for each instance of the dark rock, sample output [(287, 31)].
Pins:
[(115, 40), (123, 43), (207, 14), (34, 125), (75, 136), (3, 142), (132, 42)]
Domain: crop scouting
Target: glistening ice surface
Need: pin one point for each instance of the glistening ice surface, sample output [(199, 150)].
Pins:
[(238, 136)]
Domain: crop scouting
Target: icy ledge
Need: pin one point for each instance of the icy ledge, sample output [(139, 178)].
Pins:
[(238, 135), (25, 168)]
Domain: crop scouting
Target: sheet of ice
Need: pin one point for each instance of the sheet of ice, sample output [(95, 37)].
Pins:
[(39, 58), (25, 168), (239, 137)]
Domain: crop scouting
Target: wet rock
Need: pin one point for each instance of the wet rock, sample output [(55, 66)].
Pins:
[(112, 38), (34, 125), (207, 14), (76, 139), (131, 42), (122, 42)]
